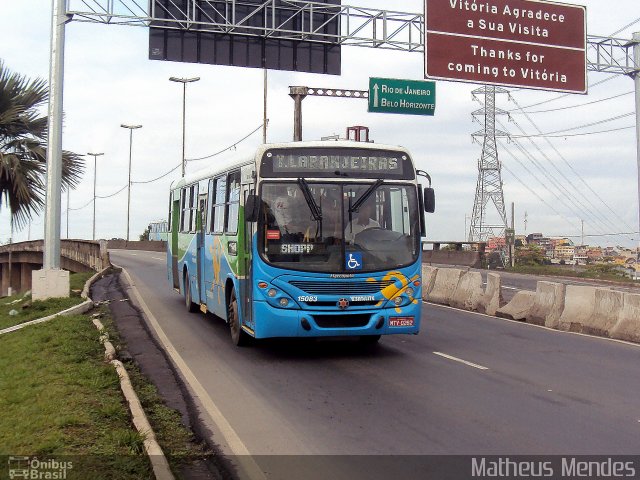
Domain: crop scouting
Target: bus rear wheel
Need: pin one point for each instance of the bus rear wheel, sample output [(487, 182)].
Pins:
[(188, 301), (238, 336)]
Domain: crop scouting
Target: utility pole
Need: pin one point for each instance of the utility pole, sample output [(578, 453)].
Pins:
[(512, 251), (636, 79), (184, 82), (95, 163), (265, 120), (131, 129)]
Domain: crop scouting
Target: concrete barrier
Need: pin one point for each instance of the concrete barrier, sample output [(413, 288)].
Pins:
[(492, 297), (519, 306), (445, 285), (469, 292), (579, 307), (548, 304), (428, 280), (628, 325), (606, 312)]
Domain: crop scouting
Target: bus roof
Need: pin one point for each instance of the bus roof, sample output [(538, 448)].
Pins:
[(230, 164)]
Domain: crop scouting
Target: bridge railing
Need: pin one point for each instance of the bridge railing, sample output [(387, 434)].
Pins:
[(18, 260), (470, 254)]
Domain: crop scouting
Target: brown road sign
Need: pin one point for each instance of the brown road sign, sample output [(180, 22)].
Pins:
[(522, 43)]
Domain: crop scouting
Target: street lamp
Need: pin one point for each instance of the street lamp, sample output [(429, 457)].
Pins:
[(95, 158), (131, 129), (184, 82)]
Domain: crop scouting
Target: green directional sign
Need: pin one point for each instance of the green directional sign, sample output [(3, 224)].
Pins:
[(411, 97)]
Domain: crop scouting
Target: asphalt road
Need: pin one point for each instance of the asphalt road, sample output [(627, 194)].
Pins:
[(524, 390)]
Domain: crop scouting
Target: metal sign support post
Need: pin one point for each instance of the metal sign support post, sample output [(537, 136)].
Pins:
[(636, 79), (51, 281)]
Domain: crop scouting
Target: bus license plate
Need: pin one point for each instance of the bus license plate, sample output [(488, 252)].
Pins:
[(401, 322)]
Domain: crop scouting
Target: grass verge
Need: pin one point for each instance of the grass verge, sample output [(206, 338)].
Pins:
[(25, 310), (61, 400), (593, 272)]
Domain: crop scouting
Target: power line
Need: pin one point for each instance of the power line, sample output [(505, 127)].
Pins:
[(225, 149), (552, 181), (161, 176), (612, 119), (608, 79), (170, 171), (590, 212), (574, 171), (625, 27), (598, 132), (575, 106)]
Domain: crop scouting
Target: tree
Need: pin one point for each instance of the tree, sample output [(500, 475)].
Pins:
[(23, 152), (530, 255), (145, 234)]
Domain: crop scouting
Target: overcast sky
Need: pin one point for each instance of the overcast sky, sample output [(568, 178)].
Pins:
[(109, 81)]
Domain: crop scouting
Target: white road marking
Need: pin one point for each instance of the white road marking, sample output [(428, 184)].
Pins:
[(157, 258), (533, 325), (456, 359), (238, 448)]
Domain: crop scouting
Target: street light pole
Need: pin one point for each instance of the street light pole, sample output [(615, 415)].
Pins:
[(184, 82), (95, 163), (131, 129)]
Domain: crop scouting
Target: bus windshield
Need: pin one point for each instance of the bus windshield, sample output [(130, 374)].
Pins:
[(315, 227)]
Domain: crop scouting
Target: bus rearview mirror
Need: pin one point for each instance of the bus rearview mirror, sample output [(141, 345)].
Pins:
[(429, 200)]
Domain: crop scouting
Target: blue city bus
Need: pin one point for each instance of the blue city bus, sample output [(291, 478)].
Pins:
[(304, 239)]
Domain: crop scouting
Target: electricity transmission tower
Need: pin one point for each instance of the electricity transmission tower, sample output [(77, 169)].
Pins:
[(489, 187)]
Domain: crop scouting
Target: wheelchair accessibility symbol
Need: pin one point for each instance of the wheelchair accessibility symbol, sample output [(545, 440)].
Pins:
[(354, 262)]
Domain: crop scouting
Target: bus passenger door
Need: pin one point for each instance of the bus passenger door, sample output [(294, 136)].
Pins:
[(246, 244), (175, 227), (200, 240)]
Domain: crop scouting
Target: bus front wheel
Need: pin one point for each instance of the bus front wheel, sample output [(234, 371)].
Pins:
[(191, 307), (238, 336)]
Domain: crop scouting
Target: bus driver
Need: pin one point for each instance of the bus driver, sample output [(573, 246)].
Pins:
[(362, 222)]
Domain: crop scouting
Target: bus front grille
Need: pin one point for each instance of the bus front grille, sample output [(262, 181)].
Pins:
[(341, 321), (341, 288)]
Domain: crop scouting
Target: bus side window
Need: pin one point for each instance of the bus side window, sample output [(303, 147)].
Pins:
[(219, 207), (233, 202), (212, 202), (184, 202), (170, 208), (193, 207)]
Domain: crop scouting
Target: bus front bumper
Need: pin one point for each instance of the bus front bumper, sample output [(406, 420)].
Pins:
[(276, 322)]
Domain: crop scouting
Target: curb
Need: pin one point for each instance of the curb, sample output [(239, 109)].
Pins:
[(75, 310), (156, 456)]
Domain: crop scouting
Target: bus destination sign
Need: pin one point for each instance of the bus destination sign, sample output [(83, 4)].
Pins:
[(370, 163)]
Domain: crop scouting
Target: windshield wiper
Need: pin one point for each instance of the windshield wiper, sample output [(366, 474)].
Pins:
[(363, 198), (308, 196)]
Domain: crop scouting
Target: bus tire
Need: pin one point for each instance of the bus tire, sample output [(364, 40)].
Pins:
[(188, 301), (238, 336)]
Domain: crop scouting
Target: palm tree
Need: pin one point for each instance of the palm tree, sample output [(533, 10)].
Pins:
[(23, 152)]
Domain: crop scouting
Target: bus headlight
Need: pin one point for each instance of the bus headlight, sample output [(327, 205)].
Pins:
[(284, 302), (272, 292), (409, 291), (397, 301)]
